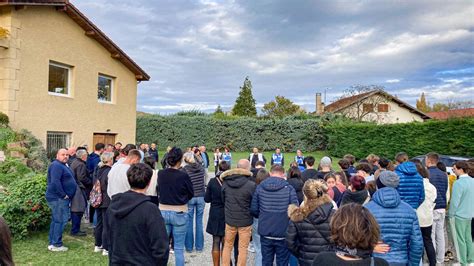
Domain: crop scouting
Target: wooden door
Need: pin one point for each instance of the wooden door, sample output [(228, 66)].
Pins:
[(103, 138)]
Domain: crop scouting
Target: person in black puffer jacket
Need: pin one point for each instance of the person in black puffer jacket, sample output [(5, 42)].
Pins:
[(237, 192), (309, 230), (296, 181), (357, 192), (101, 174), (196, 205)]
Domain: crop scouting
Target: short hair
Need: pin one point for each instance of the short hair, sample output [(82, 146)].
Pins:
[(353, 226), (175, 155), (262, 174), (364, 167), (81, 148), (118, 143), (384, 162), (358, 182), (401, 157), (80, 153), (105, 158), (223, 166), (330, 175), (260, 163), (372, 158), (294, 172), (188, 158), (128, 148), (276, 168), (441, 166), (134, 153), (344, 164), (99, 146), (433, 157), (310, 160), (139, 175), (462, 165), (351, 158)]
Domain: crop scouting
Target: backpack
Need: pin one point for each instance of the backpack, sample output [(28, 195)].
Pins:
[(95, 197)]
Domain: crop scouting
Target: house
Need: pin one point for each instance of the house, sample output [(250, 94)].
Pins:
[(444, 115), (375, 106), (62, 78)]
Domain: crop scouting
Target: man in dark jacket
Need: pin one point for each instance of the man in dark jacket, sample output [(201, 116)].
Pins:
[(153, 152), (270, 205), (79, 201), (94, 158), (237, 192), (439, 179), (137, 229)]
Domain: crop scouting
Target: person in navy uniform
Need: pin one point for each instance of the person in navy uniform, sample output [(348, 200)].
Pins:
[(227, 156), (278, 158), (299, 159)]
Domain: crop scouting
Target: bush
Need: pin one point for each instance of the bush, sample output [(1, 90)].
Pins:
[(12, 170), (239, 134), (4, 119), (450, 137), (24, 206), (36, 154), (6, 136)]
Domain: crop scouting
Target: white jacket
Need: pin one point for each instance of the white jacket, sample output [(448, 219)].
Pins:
[(425, 211)]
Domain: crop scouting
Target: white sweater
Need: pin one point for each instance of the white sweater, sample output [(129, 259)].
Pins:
[(118, 181), (425, 211)]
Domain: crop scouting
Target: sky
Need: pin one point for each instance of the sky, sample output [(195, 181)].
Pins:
[(198, 53)]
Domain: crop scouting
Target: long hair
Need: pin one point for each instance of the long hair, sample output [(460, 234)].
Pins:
[(6, 257), (315, 195)]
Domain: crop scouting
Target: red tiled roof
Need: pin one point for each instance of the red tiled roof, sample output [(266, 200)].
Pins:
[(443, 115), (348, 101), (90, 29)]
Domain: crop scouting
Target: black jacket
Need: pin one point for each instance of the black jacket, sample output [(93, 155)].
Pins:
[(309, 174), (79, 169), (359, 197), (174, 187), (196, 174), (216, 221), (101, 173), (137, 232), (297, 184), (308, 236), (237, 192)]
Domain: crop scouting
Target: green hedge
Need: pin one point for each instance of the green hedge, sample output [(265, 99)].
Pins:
[(450, 137), (240, 134)]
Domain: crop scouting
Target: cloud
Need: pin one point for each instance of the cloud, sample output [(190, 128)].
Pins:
[(198, 53)]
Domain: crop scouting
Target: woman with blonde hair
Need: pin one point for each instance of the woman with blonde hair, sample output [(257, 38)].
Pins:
[(309, 232)]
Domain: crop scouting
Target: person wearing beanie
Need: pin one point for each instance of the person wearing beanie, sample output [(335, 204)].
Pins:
[(324, 167), (399, 227), (357, 192), (309, 231)]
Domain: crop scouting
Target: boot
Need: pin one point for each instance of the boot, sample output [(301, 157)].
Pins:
[(216, 257)]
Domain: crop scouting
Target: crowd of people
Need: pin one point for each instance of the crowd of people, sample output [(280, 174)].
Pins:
[(373, 211)]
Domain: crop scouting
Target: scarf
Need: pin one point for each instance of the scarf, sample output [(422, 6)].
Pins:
[(353, 253)]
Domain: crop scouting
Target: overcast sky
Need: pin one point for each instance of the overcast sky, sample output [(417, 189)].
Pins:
[(198, 53)]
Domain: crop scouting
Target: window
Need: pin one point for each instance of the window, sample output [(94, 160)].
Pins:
[(59, 77), (105, 89), (382, 107), (55, 141), (368, 107)]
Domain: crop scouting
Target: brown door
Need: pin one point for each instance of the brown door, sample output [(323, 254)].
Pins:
[(103, 138)]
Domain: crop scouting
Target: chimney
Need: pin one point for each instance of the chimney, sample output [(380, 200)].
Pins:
[(319, 104)]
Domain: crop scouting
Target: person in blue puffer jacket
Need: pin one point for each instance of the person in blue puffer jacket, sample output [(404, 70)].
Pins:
[(399, 227), (411, 188), (270, 205)]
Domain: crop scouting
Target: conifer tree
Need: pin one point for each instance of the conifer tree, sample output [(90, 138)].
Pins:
[(245, 103), (422, 105)]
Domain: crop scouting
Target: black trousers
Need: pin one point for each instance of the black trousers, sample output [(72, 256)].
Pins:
[(101, 230), (428, 243)]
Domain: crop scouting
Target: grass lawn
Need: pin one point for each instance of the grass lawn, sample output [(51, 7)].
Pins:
[(33, 250)]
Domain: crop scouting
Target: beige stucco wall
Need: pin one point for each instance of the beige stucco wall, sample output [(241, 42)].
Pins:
[(46, 34), (395, 114)]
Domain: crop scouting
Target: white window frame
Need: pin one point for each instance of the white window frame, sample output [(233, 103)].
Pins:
[(112, 85), (69, 71)]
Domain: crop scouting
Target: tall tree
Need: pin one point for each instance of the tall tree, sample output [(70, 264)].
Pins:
[(281, 107), (218, 111), (422, 104), (245, 103)]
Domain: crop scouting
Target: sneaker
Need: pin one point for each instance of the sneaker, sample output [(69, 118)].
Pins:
[(450, 255), (57, 249), (171, 251), (98, 249), (80, 233), (105, 253), (251, 248)]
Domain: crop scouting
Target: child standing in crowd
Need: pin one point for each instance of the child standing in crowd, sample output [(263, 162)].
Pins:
[(308, 233), (355, 233)]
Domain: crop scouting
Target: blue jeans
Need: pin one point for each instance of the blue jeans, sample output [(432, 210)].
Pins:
[(197, 205), (256, 243), (176, 222), (270, 248), (59, 217)]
